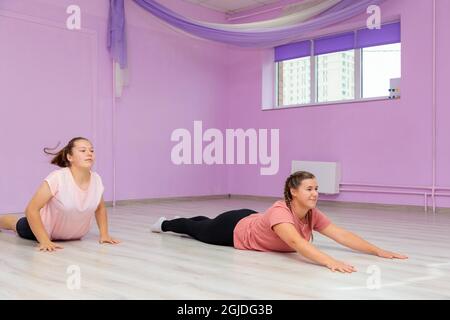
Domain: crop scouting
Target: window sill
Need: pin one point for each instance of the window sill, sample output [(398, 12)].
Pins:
[(329, 103)]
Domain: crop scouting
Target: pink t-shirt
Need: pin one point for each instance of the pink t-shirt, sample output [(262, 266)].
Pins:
[(71, 210), (255, 232)]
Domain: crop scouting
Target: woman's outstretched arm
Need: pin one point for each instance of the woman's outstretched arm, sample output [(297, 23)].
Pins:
[(353, 241), (293, 239)]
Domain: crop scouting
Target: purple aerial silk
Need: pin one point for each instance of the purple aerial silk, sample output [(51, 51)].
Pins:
[(248, 37)]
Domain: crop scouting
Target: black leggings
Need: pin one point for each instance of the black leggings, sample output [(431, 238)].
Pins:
[(218, 231), (24, 230)]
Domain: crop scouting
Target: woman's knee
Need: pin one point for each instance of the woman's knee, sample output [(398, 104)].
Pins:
[(8, 222)]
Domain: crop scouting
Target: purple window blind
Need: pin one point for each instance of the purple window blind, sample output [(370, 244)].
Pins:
[(293, 51), (389, 33), (335, 43)]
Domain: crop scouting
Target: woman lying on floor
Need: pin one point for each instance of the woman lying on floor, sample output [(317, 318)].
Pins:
[(285, 227)]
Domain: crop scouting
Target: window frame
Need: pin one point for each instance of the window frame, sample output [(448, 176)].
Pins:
[(358, 82)]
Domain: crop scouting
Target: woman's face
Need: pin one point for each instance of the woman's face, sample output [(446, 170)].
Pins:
[(83, 155), (306, 194)]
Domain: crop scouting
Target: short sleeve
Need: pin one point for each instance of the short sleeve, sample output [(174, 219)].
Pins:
[(320, 220), (277, 215), (100, 185), (53, 182)]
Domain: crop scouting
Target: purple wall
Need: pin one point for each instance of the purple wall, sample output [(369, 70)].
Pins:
[(58, 85), (175, 80), (383, 142)]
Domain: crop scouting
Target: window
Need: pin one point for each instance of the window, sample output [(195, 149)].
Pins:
[(380, 64), (352, 65), (299, 85), (332, 90)]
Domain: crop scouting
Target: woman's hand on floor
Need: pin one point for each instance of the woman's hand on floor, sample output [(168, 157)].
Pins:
[(49, 246), (108, 239), (335, 265), (390, 255)]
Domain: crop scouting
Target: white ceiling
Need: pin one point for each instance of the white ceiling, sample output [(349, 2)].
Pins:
[(232, 6)]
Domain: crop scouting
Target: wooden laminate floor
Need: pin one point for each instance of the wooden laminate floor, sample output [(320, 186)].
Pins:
[(169, 266)]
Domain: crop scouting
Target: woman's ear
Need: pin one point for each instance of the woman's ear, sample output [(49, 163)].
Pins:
[(293, 192)]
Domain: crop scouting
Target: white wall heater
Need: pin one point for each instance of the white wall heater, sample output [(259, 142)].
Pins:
[(328, 174)]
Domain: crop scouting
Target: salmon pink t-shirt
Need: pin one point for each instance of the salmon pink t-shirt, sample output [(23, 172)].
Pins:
[(71, 210), (255, 232)]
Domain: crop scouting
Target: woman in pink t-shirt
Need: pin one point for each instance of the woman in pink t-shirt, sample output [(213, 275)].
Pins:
[(66, 203), (286, 226)]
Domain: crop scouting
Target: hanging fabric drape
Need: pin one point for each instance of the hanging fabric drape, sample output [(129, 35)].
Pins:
[(261, 34), (116, 43), (309, 16), (300, 13)]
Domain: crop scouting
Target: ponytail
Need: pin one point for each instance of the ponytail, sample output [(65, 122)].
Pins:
[(60, 157)]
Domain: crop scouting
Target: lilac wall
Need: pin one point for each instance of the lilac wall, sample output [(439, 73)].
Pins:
[(175, 80), (57, 84), (52, 89), (442, 97), (383, 142)]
